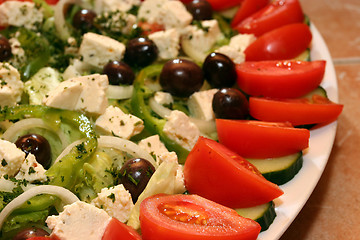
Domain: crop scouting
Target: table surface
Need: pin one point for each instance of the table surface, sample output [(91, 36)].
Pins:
[(333, 210)]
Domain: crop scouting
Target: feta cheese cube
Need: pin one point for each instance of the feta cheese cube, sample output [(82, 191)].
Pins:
[(97, 50), (173, 14), (153, 146), (20, 14), (200, 104), (86, 93), (197, 41), (167, 43), (78, 221), (163, 98), (167, 157), (11, 158), (236, 56), (150, 9), (115, 5), (31, 170), (180, 129), (11, 86), (116, 201), (116, 122), (117, 21)]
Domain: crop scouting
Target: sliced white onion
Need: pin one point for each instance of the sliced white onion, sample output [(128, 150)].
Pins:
[(119, 92), (28, 123), (66, 196), (204, 126), (125, 146), (67, 149)]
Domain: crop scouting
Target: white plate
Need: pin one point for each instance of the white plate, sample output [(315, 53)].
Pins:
[(299, 189)]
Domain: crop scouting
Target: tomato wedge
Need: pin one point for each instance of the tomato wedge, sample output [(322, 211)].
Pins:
[(149, 28), (274, 15), (118, 230), (285, 42), (256, 139), (295, 111), (247, 8), (217, 173), (280, 79), (191, 217)]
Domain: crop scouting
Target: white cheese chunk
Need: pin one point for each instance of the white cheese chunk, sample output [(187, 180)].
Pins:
[(118, 21), (78, 221), (153, 146), (20, 14), (173, 14), (200, 104), (115, 5), (11, 86), (150, 9), (31, 170), (163, 98), (97, 50), (18, 53), (116, 201), (236, 56), (180, 129), (116, 122), (197, 41), (167, 43), (86, 93), (11, 158)]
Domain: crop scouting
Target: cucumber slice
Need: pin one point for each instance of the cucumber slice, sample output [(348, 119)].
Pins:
[(318, 91), (264, 214), (279, 170)]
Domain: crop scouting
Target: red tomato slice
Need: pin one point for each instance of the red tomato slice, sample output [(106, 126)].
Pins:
[(285, 42), (191, 217), (297, 111), (52, 2), (255, 139), (149, 28), (42, 238), (117, 230), (217, 173), (274, 15), (247, 8), (280, 79), (219, 5)]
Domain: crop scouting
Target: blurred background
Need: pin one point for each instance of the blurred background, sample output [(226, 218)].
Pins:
[(333, 210)]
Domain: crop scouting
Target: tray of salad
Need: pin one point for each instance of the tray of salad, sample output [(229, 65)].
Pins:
[(160, 119)]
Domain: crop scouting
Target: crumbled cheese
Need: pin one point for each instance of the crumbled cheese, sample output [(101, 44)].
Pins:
[(163, 98), (97, 50), (78, 221), (180, 129), (200, 104), (86, 93), (167, 43), (115, 5), (31, 170), (11, 86), (11, 158), (116, 201), (116, 122)]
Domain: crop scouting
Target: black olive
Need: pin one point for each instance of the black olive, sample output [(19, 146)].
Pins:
[(119, 73), (37, 145), (219, 70), (181, 77), (29, 233), (135, 175), (230, 103), (84, 19), (200, 9), (5, 49), (140, 52)]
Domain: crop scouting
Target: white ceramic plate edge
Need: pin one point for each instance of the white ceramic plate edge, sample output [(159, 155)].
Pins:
[(299, 189)]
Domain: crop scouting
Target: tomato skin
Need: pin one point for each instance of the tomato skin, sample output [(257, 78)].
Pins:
[(41, 238), (247, 8), (217, 173), (222, 223), (149, 28), (255, 139), (219, 5), (280, 79), (118, 230), (297, 112), (274, 15), (285, 42)]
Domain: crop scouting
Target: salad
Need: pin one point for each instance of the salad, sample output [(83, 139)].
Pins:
[(160, 119)]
